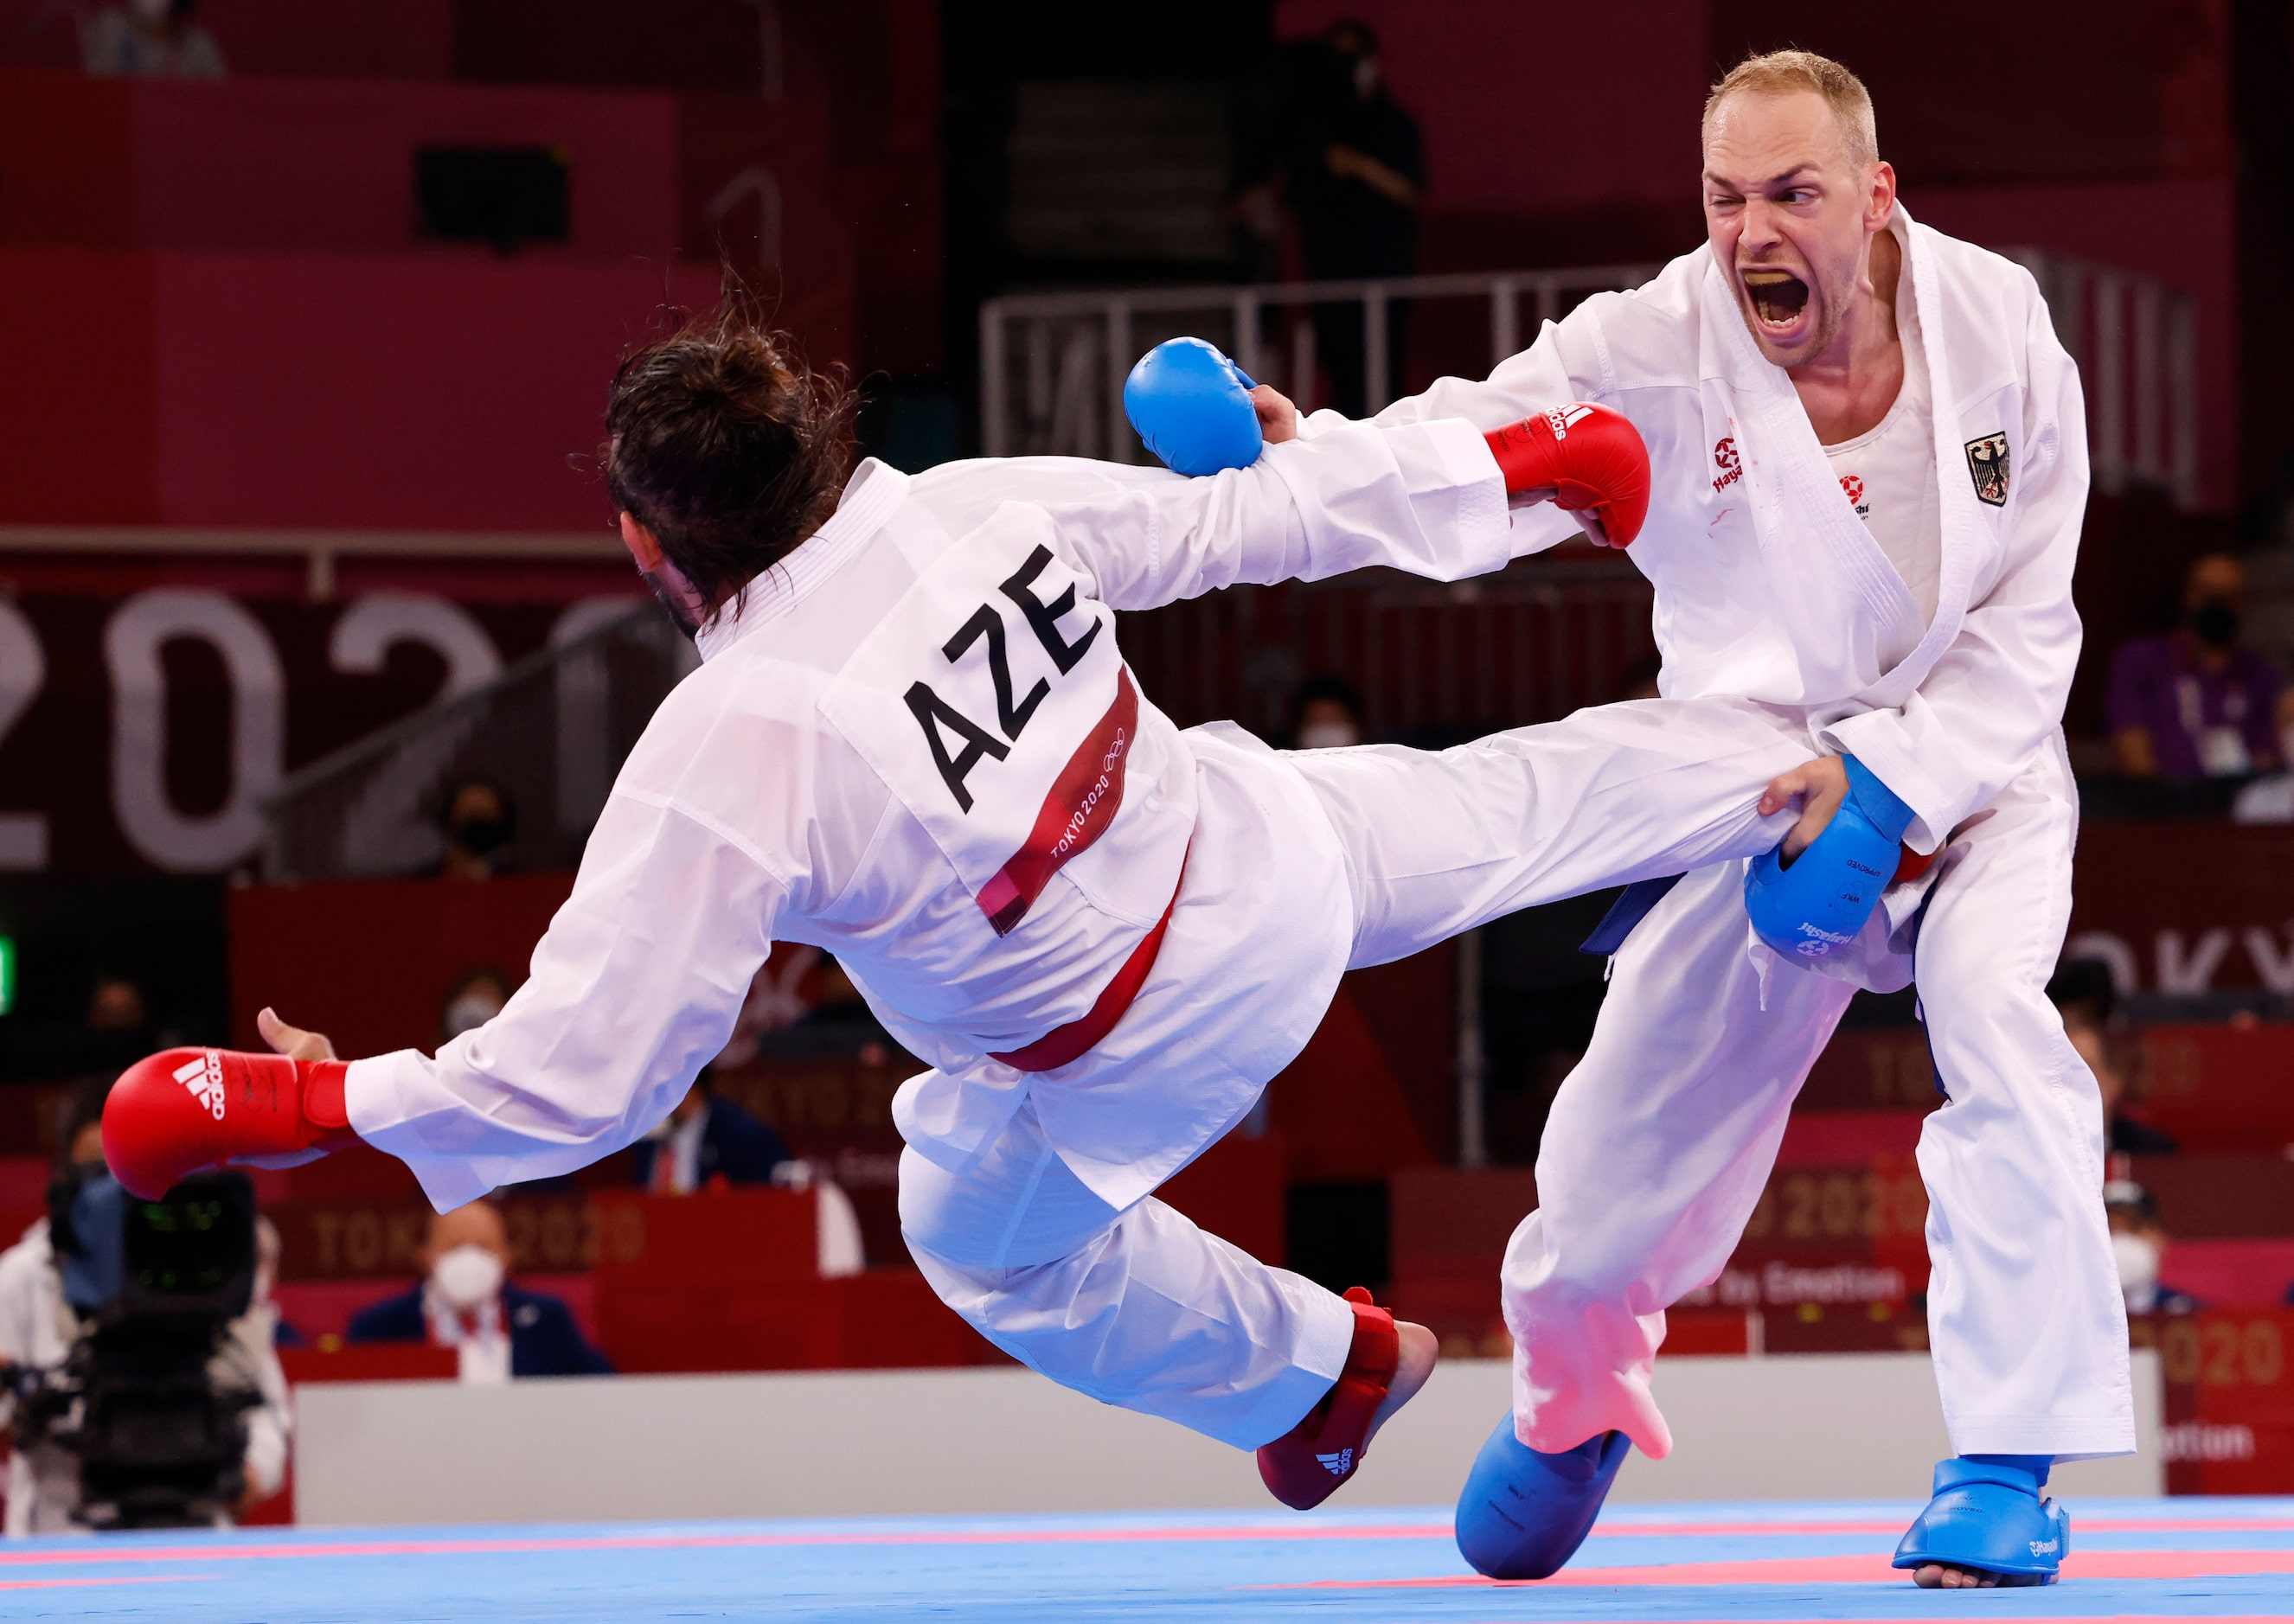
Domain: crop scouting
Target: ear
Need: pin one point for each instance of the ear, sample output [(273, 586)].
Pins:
[(641, 544), (1878, 203)]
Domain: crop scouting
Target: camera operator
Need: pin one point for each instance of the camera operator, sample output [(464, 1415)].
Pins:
[(39, 1332)]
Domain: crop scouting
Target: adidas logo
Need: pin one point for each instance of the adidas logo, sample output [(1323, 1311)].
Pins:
[(204, 1078), (1560, 418), (1339, 1463)]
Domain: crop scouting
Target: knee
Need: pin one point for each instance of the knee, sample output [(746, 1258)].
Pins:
[(929, 1218), (1985, 1009)]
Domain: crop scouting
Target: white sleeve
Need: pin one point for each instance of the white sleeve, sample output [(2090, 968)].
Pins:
[(635, 987), (1424, 498), (1998, 694), (1568, 362)]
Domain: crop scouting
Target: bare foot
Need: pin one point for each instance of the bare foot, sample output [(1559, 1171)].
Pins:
[(1935, 1576), (1419, 1349)]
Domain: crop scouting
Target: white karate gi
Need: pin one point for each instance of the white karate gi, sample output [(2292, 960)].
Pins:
[(1768, 587), (918, 748)]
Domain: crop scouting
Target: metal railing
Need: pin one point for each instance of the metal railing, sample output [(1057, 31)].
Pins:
[(1533, 642), (2136, 342), (1051, 365), (551, 731)]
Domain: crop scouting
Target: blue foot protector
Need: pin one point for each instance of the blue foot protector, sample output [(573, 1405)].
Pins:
[(1525, 1512), (1988, 1515), (1818, 905)]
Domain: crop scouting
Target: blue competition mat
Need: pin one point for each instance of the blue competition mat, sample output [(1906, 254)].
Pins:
[(2224, 1559)]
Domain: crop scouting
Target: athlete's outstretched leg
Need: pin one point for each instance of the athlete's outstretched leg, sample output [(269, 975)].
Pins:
[(1439, 841)]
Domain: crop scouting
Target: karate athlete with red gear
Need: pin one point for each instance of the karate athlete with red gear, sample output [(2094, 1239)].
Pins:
[(914, 743), (1868, 471)]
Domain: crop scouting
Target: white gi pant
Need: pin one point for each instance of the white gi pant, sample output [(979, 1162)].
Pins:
[(1661, 1141), (1138, 1307)]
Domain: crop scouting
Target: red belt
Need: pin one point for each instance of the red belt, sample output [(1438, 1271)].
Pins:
[(1079, 1036)]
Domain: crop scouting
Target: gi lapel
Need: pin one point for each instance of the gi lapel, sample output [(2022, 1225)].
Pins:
[(1959, 515), (1833, 587)]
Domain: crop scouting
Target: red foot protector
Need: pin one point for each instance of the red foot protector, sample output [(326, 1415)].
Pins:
[(1304, 1465), (183, 1109)]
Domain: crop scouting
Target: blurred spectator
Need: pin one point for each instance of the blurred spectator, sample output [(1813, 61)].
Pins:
[(2083, 990), (473, 1000), (118, 1024), (2191, 703), (155, 38), (706, 1140), (116, 1005), (37, 1329), (708, 1143), (1326, 714), (270, 1247), (479, 822), (777, 1001), (467, 1303), (2271, 799), (2122, 1133), (1356, 171), (2138, 1240)]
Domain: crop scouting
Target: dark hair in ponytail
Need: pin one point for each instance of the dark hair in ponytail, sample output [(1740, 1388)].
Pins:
[(721, 442)]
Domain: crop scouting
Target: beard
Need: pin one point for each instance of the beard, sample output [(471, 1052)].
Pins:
[(672, 601)]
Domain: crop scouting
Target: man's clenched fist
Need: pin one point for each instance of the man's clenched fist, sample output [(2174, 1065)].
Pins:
[(1587, 458), (182, 1110)]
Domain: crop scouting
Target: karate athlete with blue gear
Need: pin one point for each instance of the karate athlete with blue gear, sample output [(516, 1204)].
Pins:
[(1868, 473)]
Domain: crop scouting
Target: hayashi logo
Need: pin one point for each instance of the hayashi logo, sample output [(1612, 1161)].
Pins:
[(204, 1078), (1561, 417), (1725, 458), (1819, 941), (2044, 1547), (1852, 488)]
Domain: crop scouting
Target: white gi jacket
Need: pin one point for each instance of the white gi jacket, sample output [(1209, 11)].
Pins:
[(917, 747), (1768, 585)]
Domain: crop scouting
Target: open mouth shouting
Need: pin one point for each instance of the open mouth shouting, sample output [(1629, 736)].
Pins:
[(1779, 301)]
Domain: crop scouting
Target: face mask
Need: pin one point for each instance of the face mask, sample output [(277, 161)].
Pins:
[(2139, 1269), (1365, 76), (469, 1013), (2214, 623), (481, 834), (1329, 735), (467, 1276)]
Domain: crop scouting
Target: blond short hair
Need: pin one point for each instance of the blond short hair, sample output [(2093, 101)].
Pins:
[(1780, 73)]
